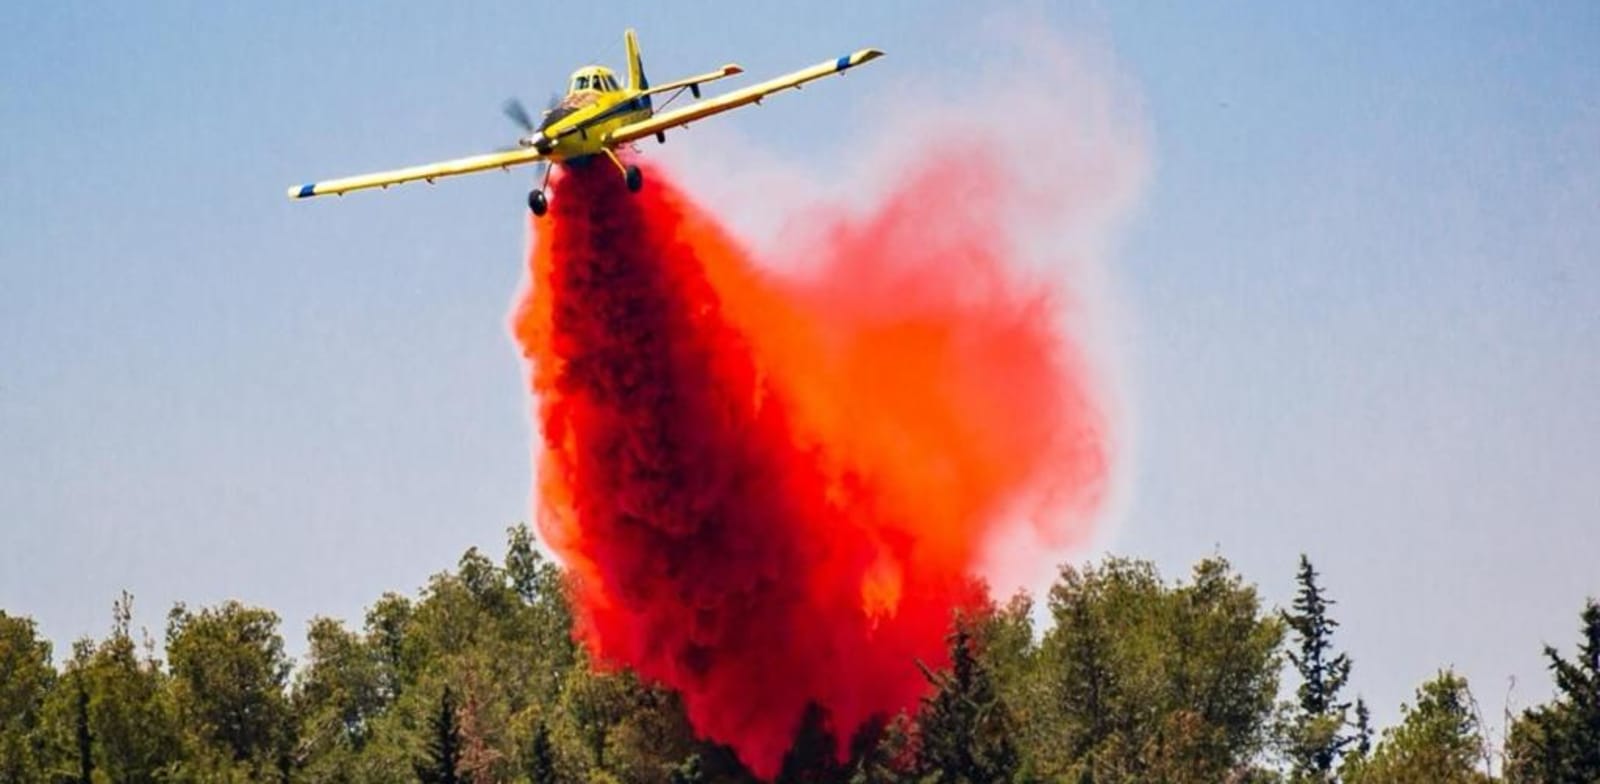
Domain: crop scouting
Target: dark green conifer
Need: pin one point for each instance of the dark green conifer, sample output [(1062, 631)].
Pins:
[(1318, 735), (965, 727), (444, 747)]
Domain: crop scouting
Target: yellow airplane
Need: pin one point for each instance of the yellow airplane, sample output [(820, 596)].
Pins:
[(597, 116)]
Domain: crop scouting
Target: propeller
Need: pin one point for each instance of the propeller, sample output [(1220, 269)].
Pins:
[(519, 115)]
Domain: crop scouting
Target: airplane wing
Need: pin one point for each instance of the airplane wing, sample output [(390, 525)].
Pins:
[(737, 98), (428, 171)]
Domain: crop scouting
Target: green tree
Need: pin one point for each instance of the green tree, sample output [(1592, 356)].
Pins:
[(653, 738), (813, 756), (26, 679), (112, 718), (524, 565), (386, 624), (1317, 730), (443, 761), (1438, 741), (1006, 647), (1560, 741), (1150, 682), (884, 752), (540, 761), (506, 650), (229, 675), (82, 734), (499, 636), (1355, 759), (337, 698), (592, 706), (965, 728), (546, 616), (1363, 733)]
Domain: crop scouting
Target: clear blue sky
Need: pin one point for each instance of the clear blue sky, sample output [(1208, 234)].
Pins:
[(1362, 289)]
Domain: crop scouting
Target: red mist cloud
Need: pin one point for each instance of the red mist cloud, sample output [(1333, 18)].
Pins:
[(775, 491)]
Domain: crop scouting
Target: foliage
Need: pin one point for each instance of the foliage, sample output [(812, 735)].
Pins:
[(25, 660), (479, 677), (1316, 734), (964, 725), (1560, 741), (443, 761), (1145, 681), (1438, 740), (229, 674), (113, 714)]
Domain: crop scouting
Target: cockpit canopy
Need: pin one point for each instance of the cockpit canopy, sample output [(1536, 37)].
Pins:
[(593, 79)]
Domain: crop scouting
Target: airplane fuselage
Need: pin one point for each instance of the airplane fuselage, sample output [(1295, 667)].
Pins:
[(595, 105)]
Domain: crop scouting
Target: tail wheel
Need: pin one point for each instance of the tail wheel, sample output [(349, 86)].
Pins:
[(634, 178), (538, 203)]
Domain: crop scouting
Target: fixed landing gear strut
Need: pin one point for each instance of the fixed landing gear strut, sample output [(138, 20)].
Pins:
[(631, 176), (539, 203)]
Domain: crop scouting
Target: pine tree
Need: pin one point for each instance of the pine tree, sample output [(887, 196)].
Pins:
[(1560, 741), (84, 737), (541, 765), (1318, 736), (1579, 682), (1353, 766), (444, 748), (813, 756), (965, 727), (873, 750), (1363, 736)]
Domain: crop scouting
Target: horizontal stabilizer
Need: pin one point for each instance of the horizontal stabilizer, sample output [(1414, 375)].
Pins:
[(724, 72)]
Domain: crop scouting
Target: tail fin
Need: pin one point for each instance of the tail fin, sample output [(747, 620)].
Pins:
[(636, 78)]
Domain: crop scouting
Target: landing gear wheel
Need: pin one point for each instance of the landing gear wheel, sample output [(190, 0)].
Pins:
[(634, 178), (537, 203)]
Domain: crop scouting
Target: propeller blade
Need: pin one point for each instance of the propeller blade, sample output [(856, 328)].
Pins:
[(519, 115)]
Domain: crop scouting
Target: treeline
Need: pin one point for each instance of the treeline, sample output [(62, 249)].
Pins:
[(1136, 679)]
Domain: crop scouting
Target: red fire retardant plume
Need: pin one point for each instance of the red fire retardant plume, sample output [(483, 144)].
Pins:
[(775, 491)]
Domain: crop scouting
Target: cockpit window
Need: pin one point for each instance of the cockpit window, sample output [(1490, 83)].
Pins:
[(581, 83), (611, 83)]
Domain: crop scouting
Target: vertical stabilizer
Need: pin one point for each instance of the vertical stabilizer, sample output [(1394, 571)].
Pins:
[(636, 78)]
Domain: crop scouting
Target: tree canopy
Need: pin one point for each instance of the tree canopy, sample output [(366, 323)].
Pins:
[(477, 678)]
